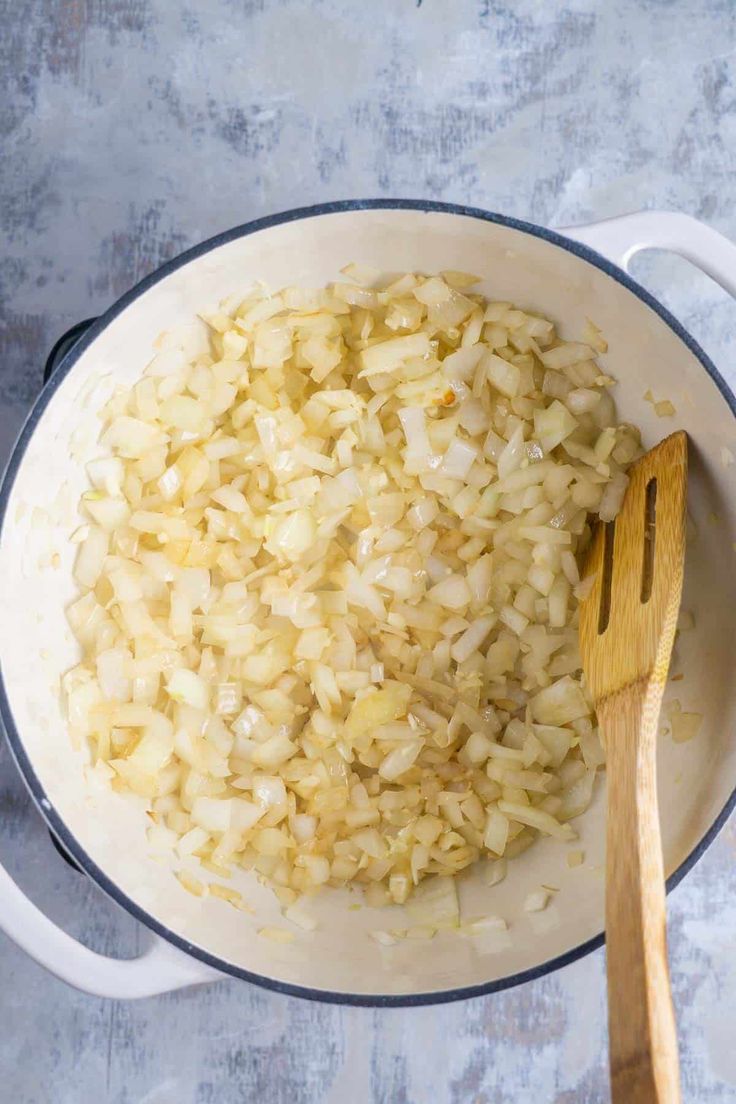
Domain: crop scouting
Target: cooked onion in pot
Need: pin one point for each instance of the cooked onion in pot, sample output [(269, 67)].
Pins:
[(329, 583)]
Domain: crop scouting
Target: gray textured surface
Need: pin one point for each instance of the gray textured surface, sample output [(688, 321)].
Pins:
[(133, 128)]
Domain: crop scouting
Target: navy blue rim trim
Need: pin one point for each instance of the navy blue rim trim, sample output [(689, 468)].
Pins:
[(22, 760)]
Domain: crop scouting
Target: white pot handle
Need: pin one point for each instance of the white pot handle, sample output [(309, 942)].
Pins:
[(160, 969), (619, 239)]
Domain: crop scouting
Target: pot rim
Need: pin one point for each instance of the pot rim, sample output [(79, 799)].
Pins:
[(21, 757)]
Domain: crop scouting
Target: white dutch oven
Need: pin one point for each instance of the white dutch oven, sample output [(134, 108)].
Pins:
[(197, 940)]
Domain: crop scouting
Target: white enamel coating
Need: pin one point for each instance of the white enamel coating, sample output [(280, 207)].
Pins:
[(696, 779), (620, 239)]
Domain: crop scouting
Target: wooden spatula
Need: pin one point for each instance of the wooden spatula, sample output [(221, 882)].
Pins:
[(627, 627)]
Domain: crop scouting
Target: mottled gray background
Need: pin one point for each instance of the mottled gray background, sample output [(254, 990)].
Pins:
[(134, 128)]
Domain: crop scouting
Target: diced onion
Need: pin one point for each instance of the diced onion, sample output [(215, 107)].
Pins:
[(536, 901), (91, 557), (330, 574), (188, 687), (685, 726)]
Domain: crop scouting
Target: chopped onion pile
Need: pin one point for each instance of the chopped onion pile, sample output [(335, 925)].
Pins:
[(330, 584)]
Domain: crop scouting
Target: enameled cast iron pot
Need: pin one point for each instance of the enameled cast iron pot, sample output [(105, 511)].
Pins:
[(568, 276)]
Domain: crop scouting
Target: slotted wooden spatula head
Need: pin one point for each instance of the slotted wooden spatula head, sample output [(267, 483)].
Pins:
[(627, 627), (627, 622)]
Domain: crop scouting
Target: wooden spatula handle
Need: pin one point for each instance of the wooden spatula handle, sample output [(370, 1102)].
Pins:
[(643, 1040)]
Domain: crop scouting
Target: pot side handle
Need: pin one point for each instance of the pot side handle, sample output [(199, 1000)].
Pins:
[(620, 239), (160, 969)]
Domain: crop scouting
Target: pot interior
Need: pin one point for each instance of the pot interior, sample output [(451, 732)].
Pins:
[(47, 476)]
